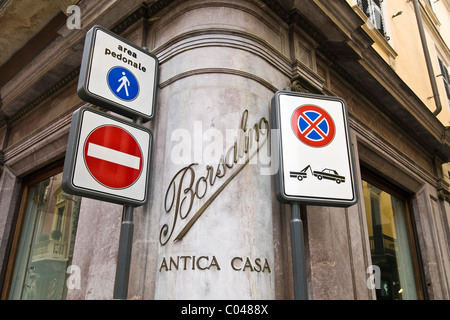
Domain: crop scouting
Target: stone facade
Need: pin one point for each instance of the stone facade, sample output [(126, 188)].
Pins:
[(220, 64)]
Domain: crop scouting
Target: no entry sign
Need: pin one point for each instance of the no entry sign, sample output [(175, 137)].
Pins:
[(113, 157), (109, 160), (316, 165)]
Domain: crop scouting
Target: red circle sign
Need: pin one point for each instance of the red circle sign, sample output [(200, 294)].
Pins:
[(313, 126), (113, 157)]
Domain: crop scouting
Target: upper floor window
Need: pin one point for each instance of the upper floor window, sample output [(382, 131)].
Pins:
[(445, 77), (372, 9)]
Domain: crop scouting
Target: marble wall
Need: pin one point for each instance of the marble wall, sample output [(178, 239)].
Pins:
[(215, 69)]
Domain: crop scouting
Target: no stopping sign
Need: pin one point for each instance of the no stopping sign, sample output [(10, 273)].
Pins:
[(314, 150), (313, 125)]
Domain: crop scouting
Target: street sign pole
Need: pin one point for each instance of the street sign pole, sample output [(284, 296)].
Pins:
[(125, 248), (124, 254), (298, 252), (316, 163), (108, 158)]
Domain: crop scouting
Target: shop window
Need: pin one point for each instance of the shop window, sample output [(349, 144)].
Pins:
[(44, 241), (391, 243)]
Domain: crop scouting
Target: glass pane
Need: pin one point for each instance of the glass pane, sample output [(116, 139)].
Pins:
[(46, 242), (389, 244)]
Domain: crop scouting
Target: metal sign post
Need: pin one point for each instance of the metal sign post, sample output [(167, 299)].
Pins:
[(107, 157), (124, 254), (316, 163), (298, 252), (100, 141), (125, 248)]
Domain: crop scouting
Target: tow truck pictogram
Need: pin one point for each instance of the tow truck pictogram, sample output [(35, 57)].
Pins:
[(328, 174), (302, 174)]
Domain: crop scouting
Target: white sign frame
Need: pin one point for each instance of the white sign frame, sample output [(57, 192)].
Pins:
[(76, 177), (321, 175), (104, 51)]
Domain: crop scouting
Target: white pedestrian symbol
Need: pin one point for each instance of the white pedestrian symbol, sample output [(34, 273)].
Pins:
[(124, 83)]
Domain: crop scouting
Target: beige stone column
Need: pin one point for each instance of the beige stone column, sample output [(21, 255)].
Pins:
[(213, 212)]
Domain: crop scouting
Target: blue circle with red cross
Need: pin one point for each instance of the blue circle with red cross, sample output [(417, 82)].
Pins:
[(313, 126)]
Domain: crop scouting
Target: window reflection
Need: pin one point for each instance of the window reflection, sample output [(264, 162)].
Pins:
[(46, 242), (389, 244)]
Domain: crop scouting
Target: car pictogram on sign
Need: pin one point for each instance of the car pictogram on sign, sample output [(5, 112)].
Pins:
[(329, 174)]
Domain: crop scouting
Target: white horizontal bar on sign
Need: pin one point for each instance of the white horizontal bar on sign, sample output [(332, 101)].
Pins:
[(114, 156)]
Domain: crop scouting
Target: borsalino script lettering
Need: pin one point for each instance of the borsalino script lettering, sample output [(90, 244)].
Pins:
[(184, 187)]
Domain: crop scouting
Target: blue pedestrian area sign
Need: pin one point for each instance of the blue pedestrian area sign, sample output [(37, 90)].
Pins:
[(123, 84), (114, 72)]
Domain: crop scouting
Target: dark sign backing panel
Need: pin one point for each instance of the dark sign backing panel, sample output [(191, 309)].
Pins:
[(314, 150), (107, 158), (118, 75)]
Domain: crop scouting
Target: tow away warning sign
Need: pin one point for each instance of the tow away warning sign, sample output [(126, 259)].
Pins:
[(316, 163)]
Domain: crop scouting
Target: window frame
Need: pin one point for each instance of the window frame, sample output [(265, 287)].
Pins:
[(17, 224), (413, 241)]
